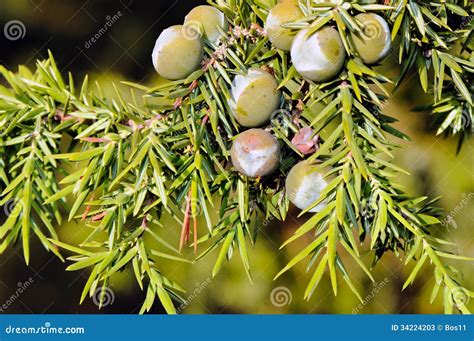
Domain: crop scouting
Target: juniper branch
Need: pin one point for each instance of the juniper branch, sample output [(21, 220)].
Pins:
[(134, 162), (436, 41)]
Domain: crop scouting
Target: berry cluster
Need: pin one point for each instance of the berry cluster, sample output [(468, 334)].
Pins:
[(317, 56)]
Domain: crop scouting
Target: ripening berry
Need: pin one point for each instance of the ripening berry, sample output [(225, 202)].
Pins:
[(319, 57), (254, 97), (177, 53), (284, 12), (373, 42), (210, 18), (255, 152), (304, 184)]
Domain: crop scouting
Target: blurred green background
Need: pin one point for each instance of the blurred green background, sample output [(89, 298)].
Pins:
[(123, 52)]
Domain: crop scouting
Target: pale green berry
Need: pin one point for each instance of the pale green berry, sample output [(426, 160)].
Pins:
[(177, 53), (254, 97), (255, 153), (320, 56), (373, 42), (284, 12), (304, 184), (209, 18)]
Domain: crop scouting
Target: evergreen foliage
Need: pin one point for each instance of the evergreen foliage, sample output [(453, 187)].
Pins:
[(123, 165)]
